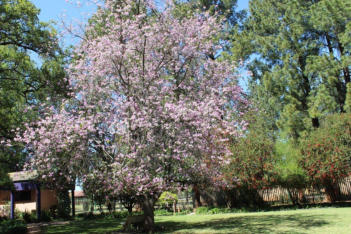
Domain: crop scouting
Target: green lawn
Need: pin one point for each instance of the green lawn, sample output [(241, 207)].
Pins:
[(316, 220)]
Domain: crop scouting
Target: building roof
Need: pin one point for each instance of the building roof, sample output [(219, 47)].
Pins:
[(79, 193), (23, 176)]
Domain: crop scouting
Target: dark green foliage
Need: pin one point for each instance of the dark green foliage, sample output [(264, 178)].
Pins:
[(120, 214), (53, 211), (5, 181), (299, 53), (12, 226), (244, 197), (45, 216), (327, 153), (64, 204), (224, 8), (164, 212), (28, 217), (114, 215)]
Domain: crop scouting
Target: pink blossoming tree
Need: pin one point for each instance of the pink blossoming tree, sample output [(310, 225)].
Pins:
[(151, 111)]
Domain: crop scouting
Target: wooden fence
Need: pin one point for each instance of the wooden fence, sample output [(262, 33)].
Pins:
[(83, 204), (272, 196), (280, 196)]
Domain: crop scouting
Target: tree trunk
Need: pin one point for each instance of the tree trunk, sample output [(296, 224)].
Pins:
[(130, 210), (315, 122), (294, 196), (92, 205), (148, 208), (302, 198), (64, 204), (174, 206), (332, 190), (100, 208), (197, 197)]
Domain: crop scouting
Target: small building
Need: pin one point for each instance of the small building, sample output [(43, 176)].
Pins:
[(27, 196), (79, 197)]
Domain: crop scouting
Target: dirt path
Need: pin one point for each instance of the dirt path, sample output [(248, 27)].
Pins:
[(37, 227)]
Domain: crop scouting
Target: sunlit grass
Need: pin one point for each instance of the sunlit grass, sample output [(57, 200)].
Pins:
[(316, 220)]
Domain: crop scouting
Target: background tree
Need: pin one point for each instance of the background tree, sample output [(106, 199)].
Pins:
[(298, 51), (23, 83), (225, 8)]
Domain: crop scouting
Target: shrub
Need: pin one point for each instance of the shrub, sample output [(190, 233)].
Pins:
[(120, 214), (45, 216), (162, 212), (215, 211), (13, 226), (88, 216), (115, 215), (290, 174), (327, 153), (184, 212), (202, 210), (53, 211), (250, 169), (27, 217)]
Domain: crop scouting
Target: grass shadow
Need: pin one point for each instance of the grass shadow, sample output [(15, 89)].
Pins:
[(97, 225), (251, 223), (248, 224)]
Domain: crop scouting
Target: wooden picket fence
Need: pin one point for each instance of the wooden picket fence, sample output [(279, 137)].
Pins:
[(280, 196)]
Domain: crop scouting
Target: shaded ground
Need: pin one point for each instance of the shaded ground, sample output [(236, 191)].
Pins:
[(245, 224), (39, 227), (98, 225)]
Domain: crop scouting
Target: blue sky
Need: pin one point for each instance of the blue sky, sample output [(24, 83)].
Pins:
[(58, 10)]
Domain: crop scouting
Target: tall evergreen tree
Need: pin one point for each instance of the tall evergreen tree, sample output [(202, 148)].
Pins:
[(226, 8), (299, 52)]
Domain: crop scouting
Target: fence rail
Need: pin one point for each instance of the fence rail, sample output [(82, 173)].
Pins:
[(279, 195)]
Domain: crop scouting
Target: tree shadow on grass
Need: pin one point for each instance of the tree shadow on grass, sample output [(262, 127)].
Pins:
[(248, 224), (97, 225)]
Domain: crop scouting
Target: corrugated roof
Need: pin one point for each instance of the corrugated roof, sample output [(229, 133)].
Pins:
[(79, 193), (23, 175)]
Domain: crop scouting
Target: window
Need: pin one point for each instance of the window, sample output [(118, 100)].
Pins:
[(23, 196)]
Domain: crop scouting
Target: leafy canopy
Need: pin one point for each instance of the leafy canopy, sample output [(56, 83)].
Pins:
[(22, 82)]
